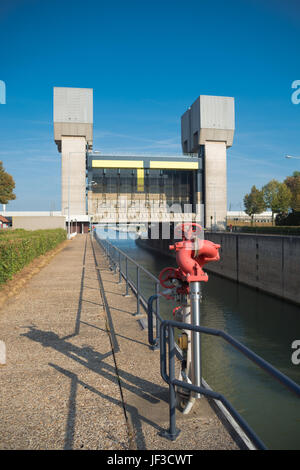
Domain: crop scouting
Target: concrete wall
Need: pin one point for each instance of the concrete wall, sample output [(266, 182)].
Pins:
[(73, 175), (37, 223), (215, 185), (73, 113), (210, 118), (210, 122), (268, 263), (265, 262)]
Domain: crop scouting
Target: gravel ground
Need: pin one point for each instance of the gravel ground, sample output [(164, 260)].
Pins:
[(59, 389), (65, 387)]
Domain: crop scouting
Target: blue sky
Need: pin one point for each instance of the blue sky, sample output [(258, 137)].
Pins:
[(147, 61)]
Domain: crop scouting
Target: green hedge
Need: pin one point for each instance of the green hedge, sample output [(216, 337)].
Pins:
[(275, 230), (20, 247)]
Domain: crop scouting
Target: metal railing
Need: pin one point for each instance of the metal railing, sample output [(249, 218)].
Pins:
[(165, 335), (116, 258)]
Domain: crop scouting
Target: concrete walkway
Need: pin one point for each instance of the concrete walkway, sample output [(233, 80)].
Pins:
[(81, 376)]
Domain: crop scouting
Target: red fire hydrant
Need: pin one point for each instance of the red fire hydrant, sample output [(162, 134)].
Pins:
[(192, 254)]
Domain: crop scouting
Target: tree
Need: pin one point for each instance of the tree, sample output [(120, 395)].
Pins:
[(254, 202), (293, 183), (277, 197), (7, 186)]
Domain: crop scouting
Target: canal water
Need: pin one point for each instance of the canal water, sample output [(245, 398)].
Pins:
[(266, 325)]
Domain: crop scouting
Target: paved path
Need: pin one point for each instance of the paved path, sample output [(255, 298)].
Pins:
[(71, 384)]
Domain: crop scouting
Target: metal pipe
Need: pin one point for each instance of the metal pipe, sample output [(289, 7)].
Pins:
[(69, 235), (114, 261), (157, 313), (138, 291), (126, 276), (173, 432), (191, 401), (153, 342), (120, 272), (195, 337), (187, 373)]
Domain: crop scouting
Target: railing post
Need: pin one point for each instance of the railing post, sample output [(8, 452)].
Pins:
[(109, 257), (173, 432), (126, 277), (120, 272), (114, 261), (157, 314), (154, 342), (137, 291)]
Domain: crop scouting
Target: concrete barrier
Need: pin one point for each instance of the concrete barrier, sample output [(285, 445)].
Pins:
[(270, 263), (38, 222)]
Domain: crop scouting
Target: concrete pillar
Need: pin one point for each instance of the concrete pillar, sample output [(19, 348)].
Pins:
[(73, 134), (209, 123), (215, 185), (73, 175)]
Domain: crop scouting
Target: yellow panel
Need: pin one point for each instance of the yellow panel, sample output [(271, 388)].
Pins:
[(174, 165), (117, 164), (140, 180)]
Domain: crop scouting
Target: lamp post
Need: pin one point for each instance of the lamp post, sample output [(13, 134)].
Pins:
[(69, 187), (69, 190), (213, 187), (69, 197), (89, 187)]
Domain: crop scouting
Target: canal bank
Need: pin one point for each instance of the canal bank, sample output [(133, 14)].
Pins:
[(270, 263)]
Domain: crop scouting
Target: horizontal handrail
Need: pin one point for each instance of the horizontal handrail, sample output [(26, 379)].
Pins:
[(153, 342), (259, 361), (172, 381), (129, 259), (136, 288)]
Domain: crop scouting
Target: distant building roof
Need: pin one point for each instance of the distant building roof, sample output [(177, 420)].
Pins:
[(243, 214)]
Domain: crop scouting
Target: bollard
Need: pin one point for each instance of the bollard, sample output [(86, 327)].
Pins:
[(2, 353)]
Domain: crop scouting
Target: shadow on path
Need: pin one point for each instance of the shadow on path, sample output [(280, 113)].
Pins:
[(95, 362)]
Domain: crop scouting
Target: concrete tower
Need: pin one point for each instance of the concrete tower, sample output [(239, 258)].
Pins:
[(73, 134), (207, 130)]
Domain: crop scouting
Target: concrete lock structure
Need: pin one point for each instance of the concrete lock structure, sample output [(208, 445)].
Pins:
[(73, 134), (207, 130), (140, 188)]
